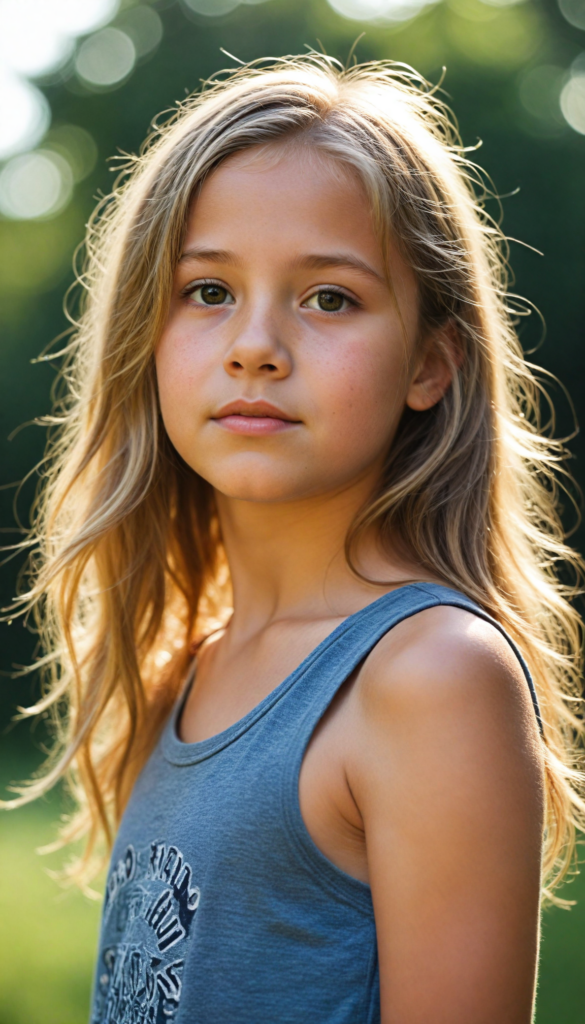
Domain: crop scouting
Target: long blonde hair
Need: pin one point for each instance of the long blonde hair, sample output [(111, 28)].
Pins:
[(128, 561)]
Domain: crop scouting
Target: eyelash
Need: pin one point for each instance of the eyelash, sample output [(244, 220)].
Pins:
[(333, 290), (202, 282)]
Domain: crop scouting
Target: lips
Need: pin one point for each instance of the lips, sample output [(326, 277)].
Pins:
[(253, 418)]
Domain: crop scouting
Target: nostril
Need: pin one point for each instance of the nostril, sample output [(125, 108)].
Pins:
[(268, 366)]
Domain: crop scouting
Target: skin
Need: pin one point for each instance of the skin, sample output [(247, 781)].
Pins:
[(425, 776)]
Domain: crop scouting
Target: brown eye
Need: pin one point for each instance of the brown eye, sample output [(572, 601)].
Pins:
[(211, 295), (331, 302), (328, 301)]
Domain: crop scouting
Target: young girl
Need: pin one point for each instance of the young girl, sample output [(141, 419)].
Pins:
[(297, 410)]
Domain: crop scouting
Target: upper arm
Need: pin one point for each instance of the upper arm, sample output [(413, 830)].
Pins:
[(448, 778)]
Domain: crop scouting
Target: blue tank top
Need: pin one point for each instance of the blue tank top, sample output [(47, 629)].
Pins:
[(219, 908)]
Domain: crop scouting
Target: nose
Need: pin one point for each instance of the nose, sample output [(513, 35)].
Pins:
[(258, 350)]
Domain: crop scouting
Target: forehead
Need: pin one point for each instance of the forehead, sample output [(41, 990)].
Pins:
[(281, 185), (274, 204)]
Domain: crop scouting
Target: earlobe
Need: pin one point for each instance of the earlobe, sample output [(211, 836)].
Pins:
[(434, 373)]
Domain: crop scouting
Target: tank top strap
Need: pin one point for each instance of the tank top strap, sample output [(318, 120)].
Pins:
[(339, 655)]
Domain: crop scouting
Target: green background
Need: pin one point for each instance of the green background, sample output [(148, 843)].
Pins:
[(47, 938)]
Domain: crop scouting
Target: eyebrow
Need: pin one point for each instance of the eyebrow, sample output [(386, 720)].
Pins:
[(210, 256), (342, 260), (315, 261)]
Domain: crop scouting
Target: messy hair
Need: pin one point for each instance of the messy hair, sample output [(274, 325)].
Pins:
[(127, 563)]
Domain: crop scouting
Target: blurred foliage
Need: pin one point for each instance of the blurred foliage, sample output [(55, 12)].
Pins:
[(47, 936), (502, 64)]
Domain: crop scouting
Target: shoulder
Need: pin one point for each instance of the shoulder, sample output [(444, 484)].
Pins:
[(446, 660), (443, 695)]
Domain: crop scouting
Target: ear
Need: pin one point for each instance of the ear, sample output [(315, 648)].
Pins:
[(440, 355)]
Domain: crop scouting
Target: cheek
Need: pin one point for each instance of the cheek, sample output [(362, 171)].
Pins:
[(362, 393), (180, 379)]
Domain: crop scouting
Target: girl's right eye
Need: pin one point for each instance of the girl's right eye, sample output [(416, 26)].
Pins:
[(210, 293)]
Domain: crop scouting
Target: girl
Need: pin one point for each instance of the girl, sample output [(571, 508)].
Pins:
[(295, 391)]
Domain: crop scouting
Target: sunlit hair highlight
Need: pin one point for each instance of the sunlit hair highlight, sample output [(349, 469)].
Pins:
[(128, 564)]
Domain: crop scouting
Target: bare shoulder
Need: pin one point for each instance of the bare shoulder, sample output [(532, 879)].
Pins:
[(449, 665), (443, 697)]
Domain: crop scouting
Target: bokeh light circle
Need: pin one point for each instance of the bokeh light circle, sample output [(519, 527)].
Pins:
[(378, 10), (30, 43), (76, 146), (210, 8), (25, 115), (574, 12), (573, 103), (503, 3), (105, 58), (144, 27), (77, 17), (35, 185)]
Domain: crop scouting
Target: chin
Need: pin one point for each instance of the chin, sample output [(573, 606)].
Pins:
[(261, 486), (257, 479), (262, 491)]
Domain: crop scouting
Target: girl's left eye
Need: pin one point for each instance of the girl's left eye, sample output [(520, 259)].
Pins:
[(210, 293), (328, 301)]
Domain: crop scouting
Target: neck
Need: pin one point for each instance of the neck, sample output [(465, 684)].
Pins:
[(287, 560)]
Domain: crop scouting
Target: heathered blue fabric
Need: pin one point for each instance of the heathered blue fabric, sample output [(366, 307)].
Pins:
[(219, 908)]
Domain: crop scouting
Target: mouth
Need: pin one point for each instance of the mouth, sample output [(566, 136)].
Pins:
[(254, 419)]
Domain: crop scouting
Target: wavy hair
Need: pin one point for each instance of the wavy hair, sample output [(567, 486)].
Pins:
[(127, 562)]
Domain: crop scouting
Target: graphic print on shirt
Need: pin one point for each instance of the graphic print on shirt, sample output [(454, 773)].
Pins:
[(150, 903)]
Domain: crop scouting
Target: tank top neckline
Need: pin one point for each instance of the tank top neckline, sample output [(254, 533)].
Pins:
[(178, 752)]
